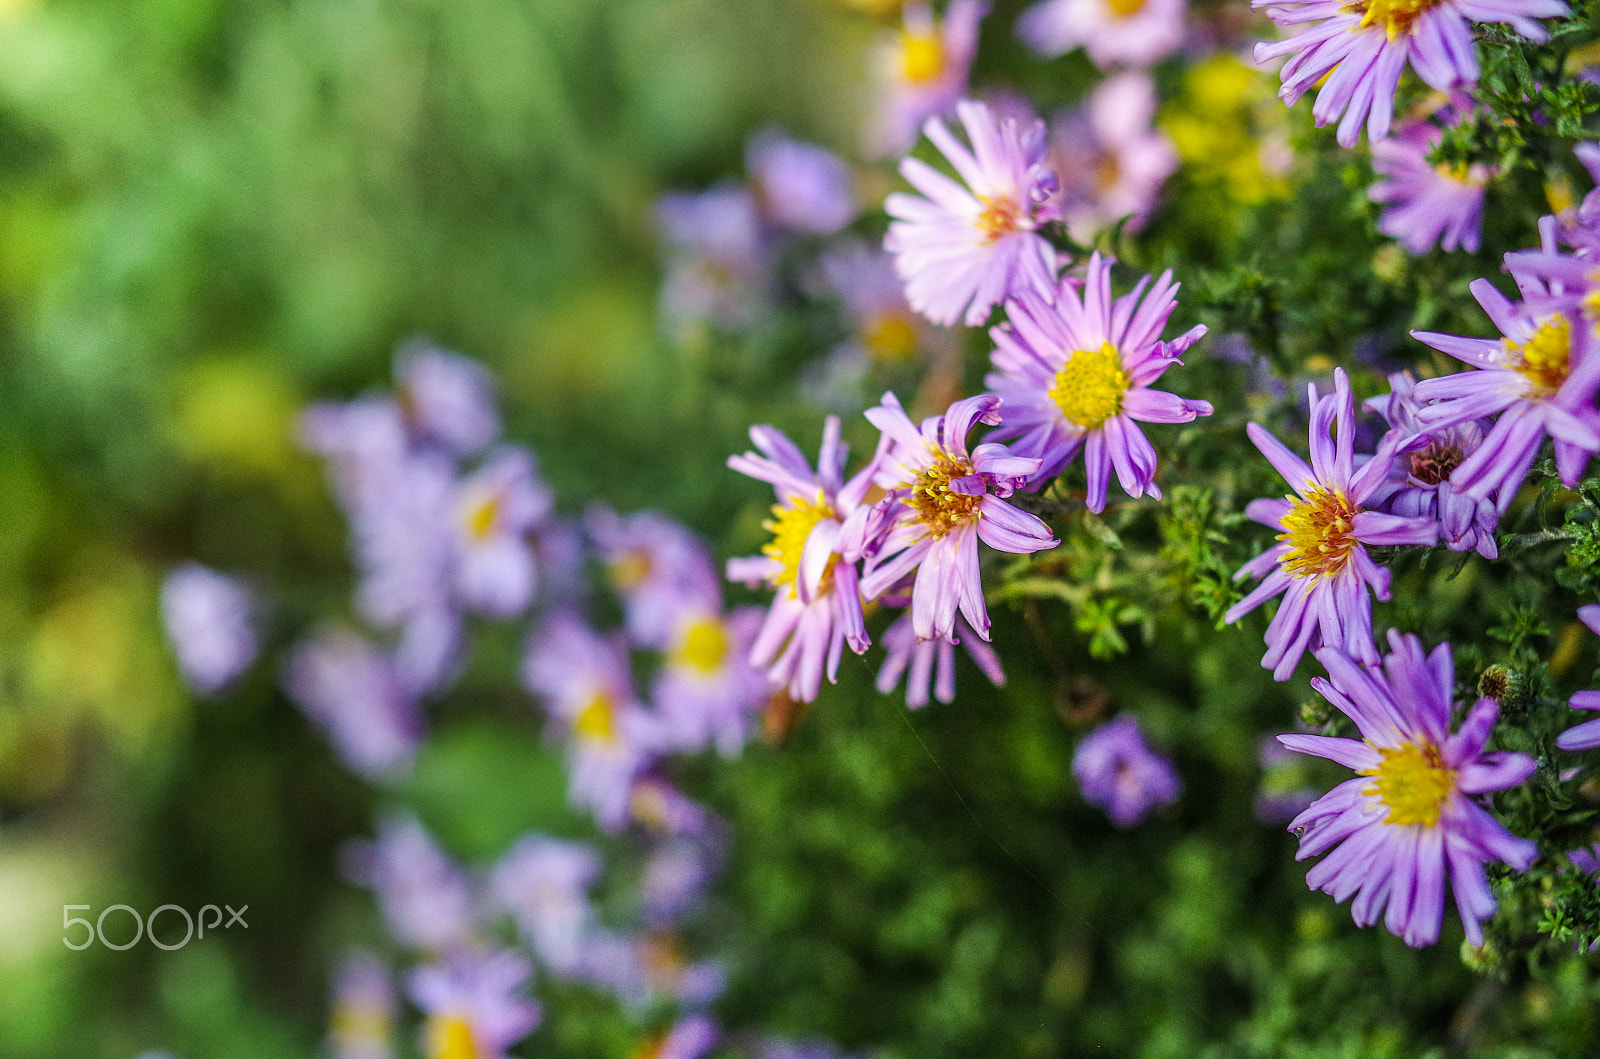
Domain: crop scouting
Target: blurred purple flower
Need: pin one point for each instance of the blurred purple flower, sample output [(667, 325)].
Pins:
[(544, 883), (209, 621), (923, 71), (496, 509), (1121, 774), (474, 1004), (1320, 565), (1427, 205), (1111, 160), (656, 566), (707, 690), (962, 248), (1075, 374), (718, 261), (1411, 817), (353, 692), (1283, 793), (1114, 33), (364, 1009), (586, 685), (446, 399), (425, 898), (800, 187), (645, 968)]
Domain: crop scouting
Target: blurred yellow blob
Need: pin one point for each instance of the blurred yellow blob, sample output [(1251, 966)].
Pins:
[(1228, 128), (236, 414)]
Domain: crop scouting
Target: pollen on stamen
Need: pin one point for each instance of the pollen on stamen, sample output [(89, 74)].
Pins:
[(999, 217), (1412, 782), (1320, 532), (922, 58), (1545, 359), (1395, 16), (938, 507), (790, 526), (1089, 388)]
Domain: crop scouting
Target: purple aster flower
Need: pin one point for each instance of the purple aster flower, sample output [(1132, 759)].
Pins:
[(1111, 160), (923, 71), (942, 499), (1362, 46), (544, 883), (496, 509), (1579, 227), (656, 566), (1419, 485), (354, 692), (800, 187), (816, 606), (425, 898), (475, 1004), (1114, 32), (707, 690), (1541, 379), (1411, 818), (1427, 205), (964, 249), (931, 663), (719, 266), (587, 688), (664, 811), (208, 618), (445, 398), (1075, 375), (1585, 736), (688, 1038), (644, 968), (676, 874), (1121, 774), (1320, 565), (364, 1009)]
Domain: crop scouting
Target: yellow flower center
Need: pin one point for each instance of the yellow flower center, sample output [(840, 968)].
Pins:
[(629, 570), (1089, 388), (704, 647), (921, 56), (939, 507), (1320, 531), (890, 336), (650, 1048), (999, 217), (597, 721), (1544, 359), (1121, 9), (1395, 16), (1413, 783), (356, 1025), (451, 1037), (790, 527), (482, 515)]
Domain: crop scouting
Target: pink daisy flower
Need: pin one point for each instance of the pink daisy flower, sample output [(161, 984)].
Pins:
[(922, 71), (942, 499), (1362, 46), (964, 249), (1320, 565), (1427, 205), (1411, 818), (1113, 32), (1075, 374), (810, 562)]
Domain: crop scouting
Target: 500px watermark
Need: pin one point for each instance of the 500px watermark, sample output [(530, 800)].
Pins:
[(145, 926)]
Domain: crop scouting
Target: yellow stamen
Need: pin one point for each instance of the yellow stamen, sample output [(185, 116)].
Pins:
[(629, 570), (922, 56), (790, 527), (1320, 531), (1121, 9), (938, 507), (1089, 389), (999, 217), (1395, 16), (359, 1025), (704, 647), (481, 517), (597, 721), (451, 1037), (1545, 358), (1413, 783)]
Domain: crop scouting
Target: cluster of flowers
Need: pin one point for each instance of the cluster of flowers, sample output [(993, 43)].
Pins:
[(435, 542)]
